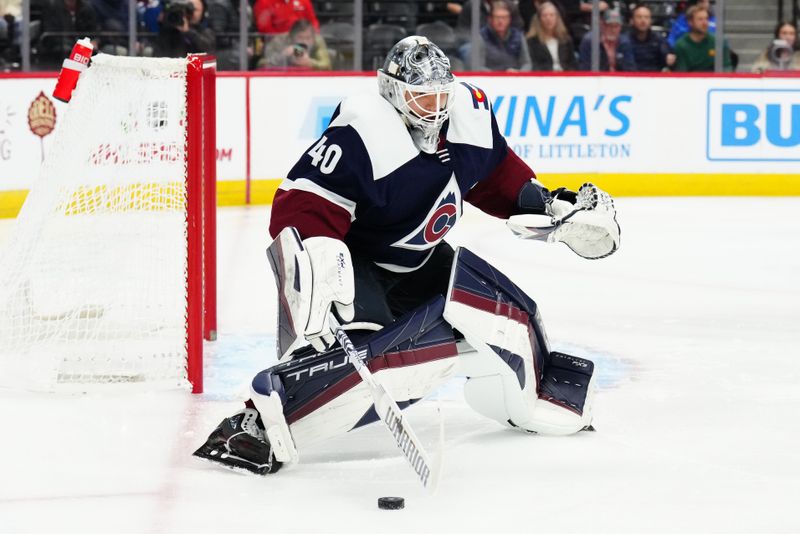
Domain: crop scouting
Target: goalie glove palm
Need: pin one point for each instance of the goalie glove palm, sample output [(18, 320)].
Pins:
[(588, 227)]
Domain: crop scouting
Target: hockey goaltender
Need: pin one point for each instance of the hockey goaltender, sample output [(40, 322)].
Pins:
[(358, 229)]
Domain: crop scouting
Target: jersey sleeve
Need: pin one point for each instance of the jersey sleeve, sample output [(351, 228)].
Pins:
[(321, 192), (498, 193)]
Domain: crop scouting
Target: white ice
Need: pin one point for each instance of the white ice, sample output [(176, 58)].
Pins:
[(694, 326)]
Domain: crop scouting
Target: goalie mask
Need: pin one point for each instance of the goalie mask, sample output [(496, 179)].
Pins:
[(416, 80)]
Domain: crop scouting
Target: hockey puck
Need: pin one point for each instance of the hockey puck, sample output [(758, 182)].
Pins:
[(391, 503)]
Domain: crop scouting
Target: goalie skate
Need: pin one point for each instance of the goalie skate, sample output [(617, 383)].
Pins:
[(239, 443)]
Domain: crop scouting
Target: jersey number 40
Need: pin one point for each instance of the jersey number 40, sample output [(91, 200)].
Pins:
[(325, 157)]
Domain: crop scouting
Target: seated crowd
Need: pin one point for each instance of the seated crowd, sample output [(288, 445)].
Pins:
[(514, 35)]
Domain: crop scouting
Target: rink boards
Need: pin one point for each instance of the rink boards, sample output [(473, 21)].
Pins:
[(632, 134)]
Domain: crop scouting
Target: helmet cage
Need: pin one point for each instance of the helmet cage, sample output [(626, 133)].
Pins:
[(420, 117), (404, 94), (415, 69)]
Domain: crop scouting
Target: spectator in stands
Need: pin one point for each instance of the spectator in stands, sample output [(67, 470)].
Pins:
[(464, 22), (464, 26), (112, 18), (11, 7), (650, 50), (149, 15), (528, 8), (503, 45), (579, 16), (782, 53), (278, 16), (223, 20), (680, 26), (454, 8), (615, 54), (65, 21), (549, 43), (184, 30), (302, 48), (10, 15), (695, 51)]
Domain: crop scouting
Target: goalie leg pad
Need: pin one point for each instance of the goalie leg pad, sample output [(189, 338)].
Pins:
[(292, 268), (266, 394), (512, 375), (322, 395), (314, 278)]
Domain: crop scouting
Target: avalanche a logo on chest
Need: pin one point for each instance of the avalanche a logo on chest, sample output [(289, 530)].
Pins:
[(442, 216)]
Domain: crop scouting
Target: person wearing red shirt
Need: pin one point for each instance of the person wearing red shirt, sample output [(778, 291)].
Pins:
[(278, 16)]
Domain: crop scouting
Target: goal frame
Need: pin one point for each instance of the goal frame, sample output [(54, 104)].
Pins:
[(201, 203)]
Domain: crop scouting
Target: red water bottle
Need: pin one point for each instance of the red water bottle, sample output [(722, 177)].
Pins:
[(72, 67)]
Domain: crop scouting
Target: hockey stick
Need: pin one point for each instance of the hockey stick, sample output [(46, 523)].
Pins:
[(535, 227), (540, 227), (389, 412)]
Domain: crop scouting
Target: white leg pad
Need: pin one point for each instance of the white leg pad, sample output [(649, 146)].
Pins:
[(493, 391), (493, 388), (341, 414), (556, 420), (513, 377), (276, 429)]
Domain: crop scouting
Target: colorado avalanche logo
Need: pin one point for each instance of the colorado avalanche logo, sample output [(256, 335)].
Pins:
[(440, 219)]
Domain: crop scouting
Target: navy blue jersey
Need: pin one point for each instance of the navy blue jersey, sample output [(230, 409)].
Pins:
[(365, 181)]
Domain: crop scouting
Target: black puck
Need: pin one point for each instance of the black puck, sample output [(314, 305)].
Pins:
[(391, 503)]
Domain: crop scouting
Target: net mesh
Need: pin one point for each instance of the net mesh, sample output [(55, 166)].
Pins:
[(94, 276)]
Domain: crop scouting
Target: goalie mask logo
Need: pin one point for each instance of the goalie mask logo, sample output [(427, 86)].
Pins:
[(440, 219)]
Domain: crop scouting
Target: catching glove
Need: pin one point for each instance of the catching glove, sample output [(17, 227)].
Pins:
[(587, 225)]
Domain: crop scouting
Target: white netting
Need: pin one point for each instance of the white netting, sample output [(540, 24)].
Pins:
[(93, 278)]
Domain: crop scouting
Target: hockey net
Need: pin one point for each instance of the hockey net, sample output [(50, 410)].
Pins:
[(109, 274)]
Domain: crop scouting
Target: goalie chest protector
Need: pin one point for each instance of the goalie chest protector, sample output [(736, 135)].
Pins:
[(401, 201)]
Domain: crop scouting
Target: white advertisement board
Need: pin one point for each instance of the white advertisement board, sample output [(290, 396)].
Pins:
[(574, 124), (288, 114), (22, 150), (231, 131), (636, 126)]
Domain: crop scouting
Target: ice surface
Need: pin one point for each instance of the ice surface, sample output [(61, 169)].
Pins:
[(693, 326)]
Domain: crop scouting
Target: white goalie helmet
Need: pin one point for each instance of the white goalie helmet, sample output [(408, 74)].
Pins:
[(416, 80)]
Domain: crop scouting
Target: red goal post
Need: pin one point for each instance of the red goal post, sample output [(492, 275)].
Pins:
[(201, 202)]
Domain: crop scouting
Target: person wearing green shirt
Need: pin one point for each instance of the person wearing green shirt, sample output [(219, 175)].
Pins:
[(695, 50)]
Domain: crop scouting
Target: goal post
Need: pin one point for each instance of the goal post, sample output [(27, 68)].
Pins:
[(201, 201), (110, 272)]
